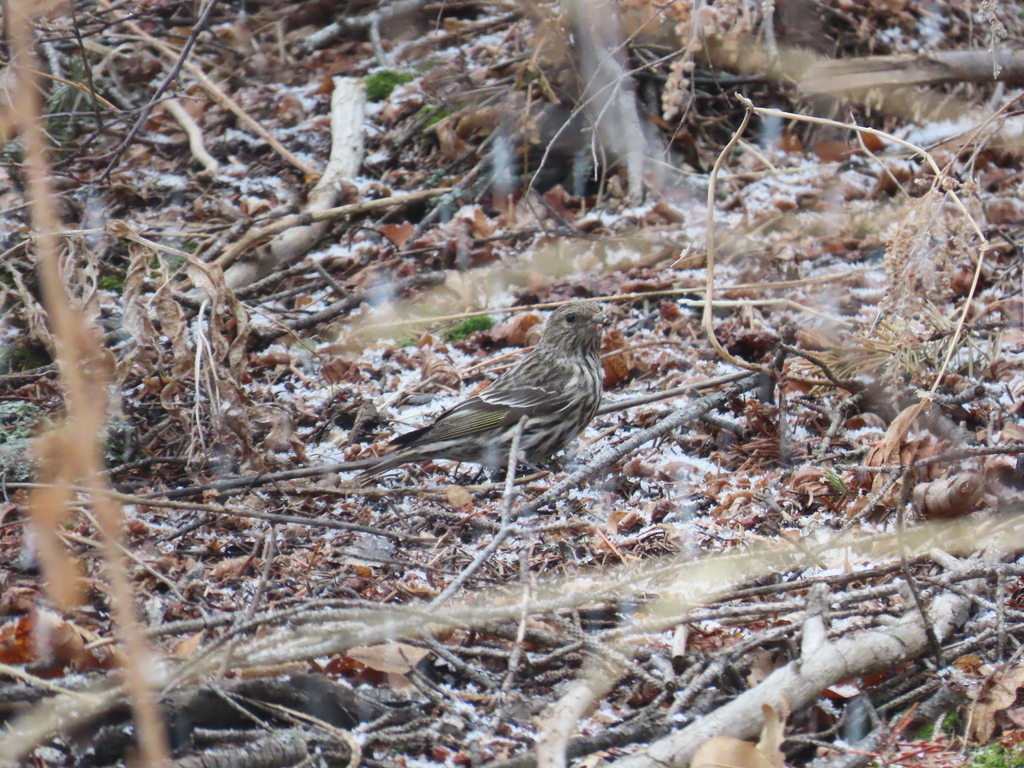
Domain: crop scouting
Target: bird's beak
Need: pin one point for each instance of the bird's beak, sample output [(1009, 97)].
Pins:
[(599, 320)]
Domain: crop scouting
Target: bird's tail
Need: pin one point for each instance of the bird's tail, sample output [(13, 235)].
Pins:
[(389, 461)]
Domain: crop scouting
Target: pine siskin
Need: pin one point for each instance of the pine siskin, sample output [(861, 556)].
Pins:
[(557, 387)]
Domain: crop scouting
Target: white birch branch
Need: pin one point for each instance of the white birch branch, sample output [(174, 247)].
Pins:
[(348, 110)]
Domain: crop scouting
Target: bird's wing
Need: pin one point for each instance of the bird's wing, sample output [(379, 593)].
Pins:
[(489, 410), (469, 417), (529, 400), (535, 387)]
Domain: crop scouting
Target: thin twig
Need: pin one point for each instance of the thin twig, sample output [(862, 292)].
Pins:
[(654, 397), (849, 385), (507, 521), (179, 62), (232, 252), (942, 181), (709, 288)]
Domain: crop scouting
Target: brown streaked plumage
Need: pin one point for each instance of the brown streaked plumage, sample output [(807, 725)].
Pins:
[(557, 387)]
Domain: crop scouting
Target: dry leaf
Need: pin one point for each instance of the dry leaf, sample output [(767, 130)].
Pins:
[(616, 359), (398, 234), (452, 146), (949, 497), (728, 752), (231, 568), (437, 372), (887, 452), (189, 645), (1001, 694), (832, 151), (391, 657), (516, 329), (459, 498), (624, 521), (968, 663), (16, 646), (44, 636)]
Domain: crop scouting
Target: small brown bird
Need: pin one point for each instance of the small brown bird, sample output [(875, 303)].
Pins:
[(557, 387)]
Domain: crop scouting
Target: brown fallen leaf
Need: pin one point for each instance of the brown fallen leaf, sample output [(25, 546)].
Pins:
[(616, 359), (459, 498), (729, 752), (1000, 695), (391, 657), (16, 646), (398, 234), (516, 329), (440, 373), (949, 497), (45, 637), (231, 568), (189, 645)]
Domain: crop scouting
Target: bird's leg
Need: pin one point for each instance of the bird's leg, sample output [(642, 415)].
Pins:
[(474, 478), (530, 468)]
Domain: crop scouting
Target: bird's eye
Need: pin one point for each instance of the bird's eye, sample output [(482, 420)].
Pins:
[(570, 318)]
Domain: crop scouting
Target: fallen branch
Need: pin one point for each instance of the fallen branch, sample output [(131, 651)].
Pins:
[(232, 252), (332, 32), (216, 92), (195, 137), (559, 721), (803, 680), (348, 107), (978, 66)]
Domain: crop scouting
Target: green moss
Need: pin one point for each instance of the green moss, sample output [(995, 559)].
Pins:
[(19, 420), (379, 85), (172, 261), (431, 115), (996, 756), (437, 117), (952, 722), (28, 357), (466, 327), (111, 283)]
